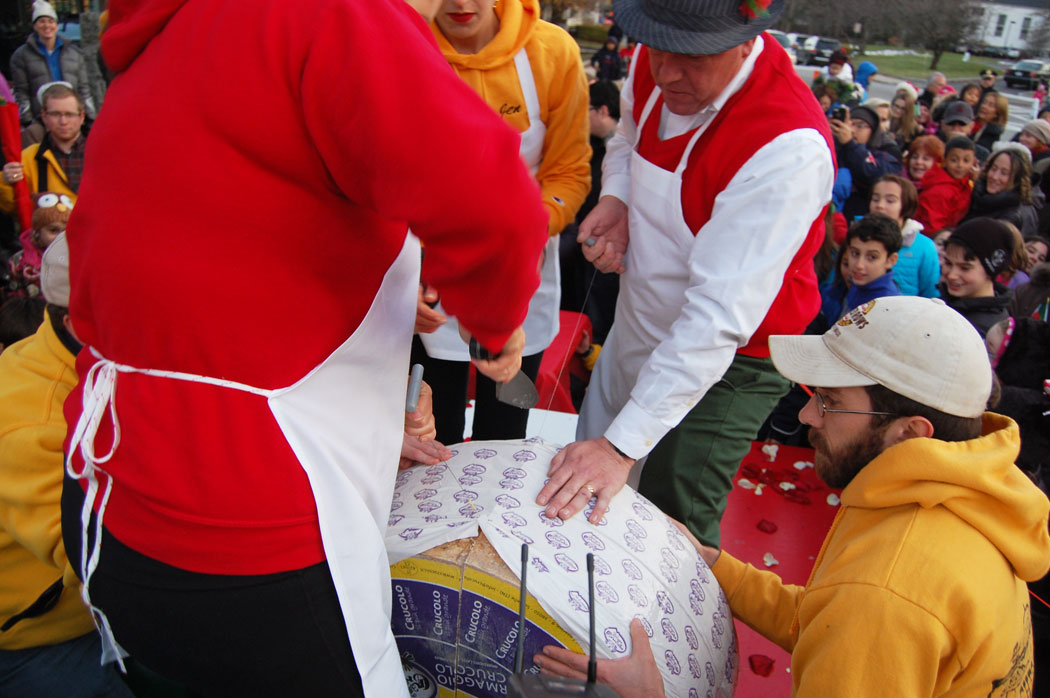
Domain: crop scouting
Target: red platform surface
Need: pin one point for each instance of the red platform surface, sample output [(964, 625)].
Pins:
[(802, 516)]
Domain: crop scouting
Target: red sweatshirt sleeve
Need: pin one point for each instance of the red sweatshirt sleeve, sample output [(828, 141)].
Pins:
[(403, 135)]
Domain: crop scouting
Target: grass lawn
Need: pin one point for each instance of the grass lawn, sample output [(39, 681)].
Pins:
[(918, 66)]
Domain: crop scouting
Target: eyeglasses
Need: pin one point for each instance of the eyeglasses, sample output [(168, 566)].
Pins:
[(822, 409), (62, 114)]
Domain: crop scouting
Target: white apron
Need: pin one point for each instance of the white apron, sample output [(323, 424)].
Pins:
[(652, 289), (361, 385), (541, 324)]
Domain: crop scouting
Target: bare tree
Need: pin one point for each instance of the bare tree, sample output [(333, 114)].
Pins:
[(1039, 37), (938, 30)]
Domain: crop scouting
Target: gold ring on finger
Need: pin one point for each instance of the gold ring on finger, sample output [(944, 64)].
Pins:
[(589, 488)]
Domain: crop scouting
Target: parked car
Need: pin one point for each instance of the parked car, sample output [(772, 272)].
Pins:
[(818, 50), (784, 41), (1027, 74)]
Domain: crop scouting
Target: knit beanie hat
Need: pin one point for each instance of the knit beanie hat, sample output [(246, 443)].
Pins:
[(867, 115), (42, 8), (1040, 129), (987, 239), (50, 208)]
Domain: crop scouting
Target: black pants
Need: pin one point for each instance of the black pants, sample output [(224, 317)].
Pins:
[(492, 419), (221, 635)]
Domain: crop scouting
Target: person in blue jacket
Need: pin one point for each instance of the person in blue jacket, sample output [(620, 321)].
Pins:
[(918, 268)]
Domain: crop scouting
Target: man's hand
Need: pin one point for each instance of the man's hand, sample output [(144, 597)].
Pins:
[(504, 365), (604, 235), (414, 450), (636, 676), (421, 422), (709, 554), (841, 130), (582, 470), (427, 319), (12, 172)]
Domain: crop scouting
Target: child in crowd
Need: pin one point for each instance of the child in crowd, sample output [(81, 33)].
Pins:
[(976, 252), (923, 153), (918, 267), (869, 253), (1017, 273), (50, 215), (945, 194)]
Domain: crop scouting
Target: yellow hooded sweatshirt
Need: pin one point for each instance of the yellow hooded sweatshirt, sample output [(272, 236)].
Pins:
[(919, 589), (565, 173), (36, 375)]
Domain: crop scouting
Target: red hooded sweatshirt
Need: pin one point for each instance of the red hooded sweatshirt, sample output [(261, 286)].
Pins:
[(247, 186)]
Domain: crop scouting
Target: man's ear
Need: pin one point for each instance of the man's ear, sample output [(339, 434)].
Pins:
[(603, 111), (891, 261), (905, 428)]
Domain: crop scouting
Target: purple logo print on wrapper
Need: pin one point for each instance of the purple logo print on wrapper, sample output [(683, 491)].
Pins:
[(605, 592), (709, 669), (511, 484), (438, 469), (507, 502), (592, 541), (636, 528), (524, 455), (641, 511), (635, 593), (674, 537), (669, 574), (471, 511), (395, 520), (474, 469), (485, 453), (557, 540), (428, 506), (664, 602), (697, 589), (577, 601), (631, 570), (434, 518), (566, 562), (469, 480), (614, 641), (696, 603), (716, 638), (432, 479), (672, 663), (701, 572), (646, 625), (690, 637), (601, 567), (538, 565), (522, 537), (410, 533), (514, 473), (513, 520), (402, 478), (425, 494), (669, 558), (693, 693), (694, 667), (632, 542), (464, 496), (668, 629)]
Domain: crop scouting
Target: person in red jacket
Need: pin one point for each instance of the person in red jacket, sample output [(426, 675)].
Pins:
[(234, 436), (945, 194)]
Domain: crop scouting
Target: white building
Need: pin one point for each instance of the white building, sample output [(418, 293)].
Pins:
[(1007, 24)]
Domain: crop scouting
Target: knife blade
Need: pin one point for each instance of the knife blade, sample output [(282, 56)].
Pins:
[(519, 391)]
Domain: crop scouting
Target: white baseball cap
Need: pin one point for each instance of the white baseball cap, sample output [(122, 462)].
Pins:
[(917, 347), (54, 272)]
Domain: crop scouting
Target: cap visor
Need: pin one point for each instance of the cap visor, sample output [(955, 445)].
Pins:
[(806, 359)]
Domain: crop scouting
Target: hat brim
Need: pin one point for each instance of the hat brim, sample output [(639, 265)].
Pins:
[(806, 359), (721, 33)]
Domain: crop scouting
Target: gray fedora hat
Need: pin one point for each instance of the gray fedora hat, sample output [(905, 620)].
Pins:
[(693, 26)]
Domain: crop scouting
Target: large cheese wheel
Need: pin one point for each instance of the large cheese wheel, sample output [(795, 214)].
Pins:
[(454, 538)]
